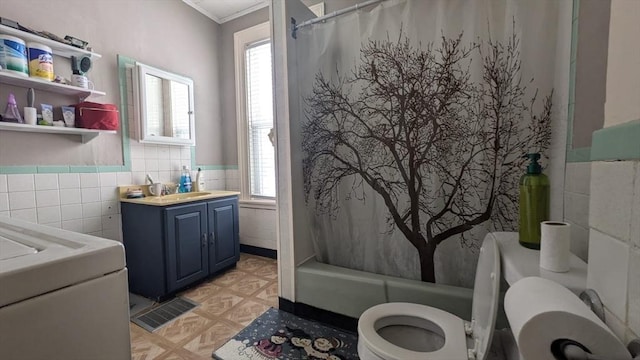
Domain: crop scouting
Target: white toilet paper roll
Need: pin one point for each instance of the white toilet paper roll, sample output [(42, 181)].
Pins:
[(555, 246), (541, 311)]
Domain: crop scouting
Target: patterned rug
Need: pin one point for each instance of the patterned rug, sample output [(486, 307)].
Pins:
[(280, 335)]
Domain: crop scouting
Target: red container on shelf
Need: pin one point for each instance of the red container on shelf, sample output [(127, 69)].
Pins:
[(90, 115)]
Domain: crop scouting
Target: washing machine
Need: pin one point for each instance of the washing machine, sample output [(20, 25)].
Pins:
[(63, 295)]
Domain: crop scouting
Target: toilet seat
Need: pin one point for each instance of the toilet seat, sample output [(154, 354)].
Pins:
[(371, 345), (455, 346)]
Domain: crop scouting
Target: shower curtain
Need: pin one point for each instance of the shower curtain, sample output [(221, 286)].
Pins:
[(415, 118)]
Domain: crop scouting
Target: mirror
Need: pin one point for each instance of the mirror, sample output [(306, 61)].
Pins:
[(165, 105)]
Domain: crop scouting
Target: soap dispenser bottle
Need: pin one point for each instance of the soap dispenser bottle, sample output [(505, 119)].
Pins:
[(534, 203), (185, 180), (199, 185)]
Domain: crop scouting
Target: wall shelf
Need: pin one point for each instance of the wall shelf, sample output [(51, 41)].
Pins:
[(58, 48), (86, 134), (29, 82)]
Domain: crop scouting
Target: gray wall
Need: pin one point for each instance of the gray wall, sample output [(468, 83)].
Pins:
[(163, 33)]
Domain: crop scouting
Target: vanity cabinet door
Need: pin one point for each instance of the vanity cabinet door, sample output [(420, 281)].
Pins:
[(186, 244), (224, 245)]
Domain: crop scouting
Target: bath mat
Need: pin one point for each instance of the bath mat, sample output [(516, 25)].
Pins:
[(159, 316), (280, 335)]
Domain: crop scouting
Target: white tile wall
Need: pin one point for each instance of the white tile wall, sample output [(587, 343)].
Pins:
[(4, 202), (258, 227), (233, 180), (3, 183), (576, 206), (608, 271), (614, 254), (46, 181), (25, 214), (88, 202), (578, 177), (635, 212), (634, 291), (20, 182), (69, 181), (611, 197), (21, 200)]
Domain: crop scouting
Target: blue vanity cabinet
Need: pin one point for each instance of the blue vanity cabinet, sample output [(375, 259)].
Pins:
[(169, 248), (223, 225), (186, 245)]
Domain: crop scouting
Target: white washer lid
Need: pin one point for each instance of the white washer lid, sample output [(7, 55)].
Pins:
[(10, 249), (485, 297), (63, 258)]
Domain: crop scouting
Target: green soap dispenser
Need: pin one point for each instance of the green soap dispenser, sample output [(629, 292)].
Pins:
[(534, 203)]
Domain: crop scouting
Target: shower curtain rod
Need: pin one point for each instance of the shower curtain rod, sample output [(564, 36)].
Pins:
[(331, 15)]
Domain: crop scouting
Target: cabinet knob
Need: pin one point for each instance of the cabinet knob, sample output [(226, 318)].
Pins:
[(204, 240), (211, 239)]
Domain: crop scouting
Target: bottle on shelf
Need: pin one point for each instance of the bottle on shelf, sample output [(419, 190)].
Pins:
[(185, 180), (534, 203)]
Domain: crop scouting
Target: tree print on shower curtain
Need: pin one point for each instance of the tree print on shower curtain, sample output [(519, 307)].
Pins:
[(444, 151)]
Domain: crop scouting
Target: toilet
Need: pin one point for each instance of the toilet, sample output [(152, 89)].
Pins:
[(402, 331)]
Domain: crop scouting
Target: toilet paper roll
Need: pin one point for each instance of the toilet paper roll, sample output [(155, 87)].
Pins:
[(555, 245), (540, 312)]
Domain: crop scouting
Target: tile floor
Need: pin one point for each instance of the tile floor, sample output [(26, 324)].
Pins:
[(228, 303)]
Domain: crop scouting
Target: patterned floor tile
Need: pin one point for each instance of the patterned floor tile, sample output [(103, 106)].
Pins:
[(248, 285), (246, 312), (219, 303), (201, 334), (269, 293), (202, 292), (211, 339), (251, 264), (229, 277), (269, 271), (142, 348), (183, 327)]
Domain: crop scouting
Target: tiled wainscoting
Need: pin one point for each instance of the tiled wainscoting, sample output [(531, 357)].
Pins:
[(87, 202), (576, 206), (614, 245), (228, 303)]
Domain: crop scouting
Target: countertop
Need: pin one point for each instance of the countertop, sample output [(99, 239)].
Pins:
[(173, 199)]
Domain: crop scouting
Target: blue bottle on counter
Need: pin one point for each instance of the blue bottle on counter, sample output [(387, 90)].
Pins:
[(185, 180)]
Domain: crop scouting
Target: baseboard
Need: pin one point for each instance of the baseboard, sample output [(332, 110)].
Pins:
[(255, 250), (340, 321)]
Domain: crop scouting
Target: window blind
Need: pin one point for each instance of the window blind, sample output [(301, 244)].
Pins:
[(262, 176)]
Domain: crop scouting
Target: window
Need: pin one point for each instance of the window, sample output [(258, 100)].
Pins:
[(254, 108), (254, 112), (259, 107)]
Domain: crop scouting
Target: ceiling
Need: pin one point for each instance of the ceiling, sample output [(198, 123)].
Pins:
[(222, 11)]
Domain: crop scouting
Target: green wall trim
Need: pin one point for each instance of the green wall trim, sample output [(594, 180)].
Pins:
[(216, 167), (50, 169), (572, 76), (61, 169), (619, 142), (83, 169), (579, 155), (112, 168), (123, 62), (18, 169)]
